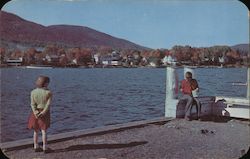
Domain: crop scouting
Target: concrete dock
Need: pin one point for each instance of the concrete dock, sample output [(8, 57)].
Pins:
[(163, 138)]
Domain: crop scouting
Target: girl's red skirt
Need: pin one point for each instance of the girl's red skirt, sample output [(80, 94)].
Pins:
[(41, 123)]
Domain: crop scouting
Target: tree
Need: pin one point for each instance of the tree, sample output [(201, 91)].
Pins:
[(2, 55), (29, 56), (104, 50), (233, 57), (51, 50), (176, 52), (63, 61), (195, 56), (84, 56), (61, 51), (70, 54), (39, 56), (145, 53), (16, 54), (186, 52)]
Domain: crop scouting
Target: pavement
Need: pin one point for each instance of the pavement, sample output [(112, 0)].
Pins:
[(175, 139)]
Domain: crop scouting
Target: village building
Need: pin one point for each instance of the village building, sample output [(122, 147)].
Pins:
[(14, 62), (113, 59), (52, 58), (169, 60), (96, 57)]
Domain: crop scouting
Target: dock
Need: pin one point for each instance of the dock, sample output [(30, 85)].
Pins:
[(19, 144), (161, 138)]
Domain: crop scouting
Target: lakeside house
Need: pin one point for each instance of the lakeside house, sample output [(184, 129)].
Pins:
[(14, 62), (108, 60), (52, 58), (144, 61), (96, 57), (74, 61), (154, 61), (112, 59), (222, 60), (169, 60), (129, 60), (115, 63)]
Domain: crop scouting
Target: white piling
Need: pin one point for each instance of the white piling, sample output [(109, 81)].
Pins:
[(248, 83), (171, 92)]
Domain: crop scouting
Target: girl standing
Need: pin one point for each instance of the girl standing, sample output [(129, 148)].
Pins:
[(40, 116)]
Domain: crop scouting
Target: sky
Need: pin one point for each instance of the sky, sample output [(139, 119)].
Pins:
[(150, 23)]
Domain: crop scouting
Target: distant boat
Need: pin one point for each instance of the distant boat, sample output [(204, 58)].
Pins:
[(39, 67), (239, 84), (221, 66), (192, 66)]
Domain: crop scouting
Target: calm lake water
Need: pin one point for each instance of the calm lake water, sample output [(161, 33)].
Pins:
[(88, 98)]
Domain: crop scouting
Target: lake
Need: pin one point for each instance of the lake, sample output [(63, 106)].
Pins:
[(88, 98)]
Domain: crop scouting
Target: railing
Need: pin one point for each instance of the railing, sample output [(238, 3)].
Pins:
[(231, 106)]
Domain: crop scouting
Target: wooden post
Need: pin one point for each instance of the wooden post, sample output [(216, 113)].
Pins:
[(171, 92)]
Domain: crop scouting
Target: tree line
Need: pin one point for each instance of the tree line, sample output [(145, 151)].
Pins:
[(84, 56)]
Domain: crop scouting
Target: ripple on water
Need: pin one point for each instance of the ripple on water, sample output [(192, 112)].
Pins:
[(84, 100)]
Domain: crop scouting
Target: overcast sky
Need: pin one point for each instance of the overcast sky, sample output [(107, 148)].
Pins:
[(151, 23)]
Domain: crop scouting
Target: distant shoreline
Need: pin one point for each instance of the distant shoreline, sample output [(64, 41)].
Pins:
[(108, 66)]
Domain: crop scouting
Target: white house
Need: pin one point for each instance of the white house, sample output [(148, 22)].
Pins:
[(153, 64), (105, 62), (144, 59), (221, 59), (14, 62), (74, 61), (113, 59), (116, 63), (168, 59), (97, 58), (52, 58)]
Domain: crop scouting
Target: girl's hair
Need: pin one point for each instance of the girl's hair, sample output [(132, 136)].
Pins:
[(193, 84), (41, 81)]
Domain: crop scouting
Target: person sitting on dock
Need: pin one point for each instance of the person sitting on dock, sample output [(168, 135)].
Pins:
[(186, 90)]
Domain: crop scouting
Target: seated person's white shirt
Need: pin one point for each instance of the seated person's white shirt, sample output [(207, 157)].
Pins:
[(195, 92)]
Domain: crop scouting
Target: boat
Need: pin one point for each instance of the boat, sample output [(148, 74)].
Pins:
[(39, 67), (221, 66), (239, 84)]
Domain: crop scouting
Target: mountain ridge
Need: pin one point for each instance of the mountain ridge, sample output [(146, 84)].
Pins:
[(18, 30)]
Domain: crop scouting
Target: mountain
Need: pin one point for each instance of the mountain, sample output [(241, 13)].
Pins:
[(242, 48), (17, 31)]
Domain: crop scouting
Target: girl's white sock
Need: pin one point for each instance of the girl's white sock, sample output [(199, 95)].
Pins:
[(44, 137), (36, 146), (44, 146)]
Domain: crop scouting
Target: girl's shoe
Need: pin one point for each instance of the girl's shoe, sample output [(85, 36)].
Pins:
[(38, 149), (187, 118), (48, 150)]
